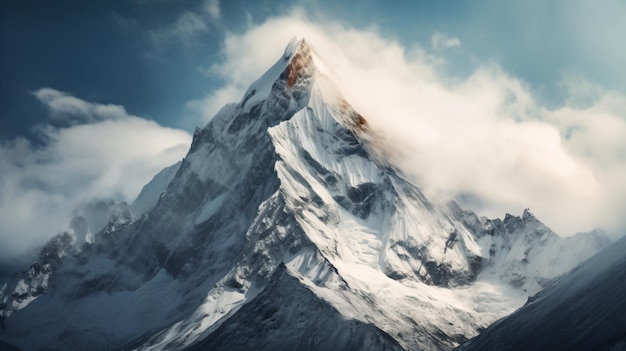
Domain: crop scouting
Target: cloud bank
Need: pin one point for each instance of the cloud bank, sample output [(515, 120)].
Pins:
[(92, 152), (484, 139)]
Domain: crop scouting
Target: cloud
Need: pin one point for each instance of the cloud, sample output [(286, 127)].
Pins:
[(539, 38), (442, 41), (104, 154), (188, 26), (483, 138), (71, 110), (184, 30), (212, 7)]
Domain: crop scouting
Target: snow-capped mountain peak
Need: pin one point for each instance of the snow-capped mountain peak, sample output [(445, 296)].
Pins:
[(295, 67), (287, 190)]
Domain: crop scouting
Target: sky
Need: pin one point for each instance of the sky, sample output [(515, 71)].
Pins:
[(500, 105)]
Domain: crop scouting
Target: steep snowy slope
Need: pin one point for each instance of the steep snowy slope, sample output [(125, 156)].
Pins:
[(524, 253), (287, 315), (583, 310), (287, 190), (151, 192)]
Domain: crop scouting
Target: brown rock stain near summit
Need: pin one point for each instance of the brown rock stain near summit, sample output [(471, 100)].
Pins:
[(359, 122), (294, 67), (300, 60)]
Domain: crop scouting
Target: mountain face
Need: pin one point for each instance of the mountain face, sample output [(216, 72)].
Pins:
[(285, 227), (87, 222), (151, 192), (583, 310)]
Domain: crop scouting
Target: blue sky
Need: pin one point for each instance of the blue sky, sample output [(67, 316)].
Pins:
[(544, 81), (127, 52)]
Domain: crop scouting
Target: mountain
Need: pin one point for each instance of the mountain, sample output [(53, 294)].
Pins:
[(286, 226), (583, 310), (86, 223), (151, 192)]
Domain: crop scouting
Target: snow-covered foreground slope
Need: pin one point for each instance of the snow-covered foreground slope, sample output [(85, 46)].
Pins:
[(583, 310), (285, 227), (287, 315)]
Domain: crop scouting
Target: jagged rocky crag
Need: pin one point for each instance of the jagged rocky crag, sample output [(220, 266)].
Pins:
[(287, 190)]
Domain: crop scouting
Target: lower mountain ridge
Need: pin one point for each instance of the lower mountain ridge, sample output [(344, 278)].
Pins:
[(583, 310), (284, 227)]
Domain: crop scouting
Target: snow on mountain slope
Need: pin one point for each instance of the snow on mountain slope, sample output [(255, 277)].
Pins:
[(288, 190), (584, 310), (24, 287), (524, 253), (305, 322), (151, 192)]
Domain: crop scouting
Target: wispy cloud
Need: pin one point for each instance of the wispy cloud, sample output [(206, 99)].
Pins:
[(183, 31), (212, 7), (188, 26), (71, 110), (441, 41), (105, 153), (484, 137)]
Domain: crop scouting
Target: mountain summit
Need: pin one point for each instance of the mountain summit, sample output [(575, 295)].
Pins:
[(283, 227)]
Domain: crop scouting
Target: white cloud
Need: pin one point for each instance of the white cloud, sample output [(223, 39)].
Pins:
[(485, 136), (212, 7), (441, 41), (200, 111), (110, 155), (67, 108)]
